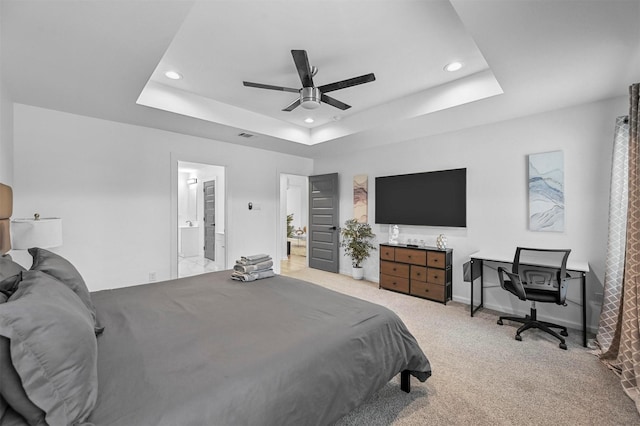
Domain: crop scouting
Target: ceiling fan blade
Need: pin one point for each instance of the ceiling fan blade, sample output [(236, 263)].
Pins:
[(302, 64), (270, 87), (334, 102), (293, 105), (367, 78)]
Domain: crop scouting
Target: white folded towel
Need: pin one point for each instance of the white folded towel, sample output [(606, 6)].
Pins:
[(253, 260), (253, 268), (252, 276), (255, 257)]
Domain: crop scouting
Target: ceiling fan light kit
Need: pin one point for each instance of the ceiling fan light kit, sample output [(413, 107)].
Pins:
[(310, 96)]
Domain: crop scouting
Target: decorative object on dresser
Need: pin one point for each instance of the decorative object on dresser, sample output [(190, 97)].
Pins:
[(356, 241), (418, 271), (394, 234)]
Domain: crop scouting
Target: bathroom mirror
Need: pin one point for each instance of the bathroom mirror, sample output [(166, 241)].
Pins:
[(192, 202), (187, 200)]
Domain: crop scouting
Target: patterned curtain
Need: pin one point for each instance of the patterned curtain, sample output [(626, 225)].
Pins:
[(624, 353), (614, 266)]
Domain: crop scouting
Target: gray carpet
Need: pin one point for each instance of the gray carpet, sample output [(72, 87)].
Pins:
[(481, 374)]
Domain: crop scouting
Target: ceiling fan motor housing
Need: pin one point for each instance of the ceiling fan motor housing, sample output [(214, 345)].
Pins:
[(310, 97)]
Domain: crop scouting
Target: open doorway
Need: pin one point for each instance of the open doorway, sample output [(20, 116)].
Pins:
[(294, 190), (200, 218)]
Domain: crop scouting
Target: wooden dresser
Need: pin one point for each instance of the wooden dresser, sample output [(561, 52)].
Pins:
[(418, 271)]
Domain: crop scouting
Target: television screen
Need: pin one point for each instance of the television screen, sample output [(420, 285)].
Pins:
[(430, 199)]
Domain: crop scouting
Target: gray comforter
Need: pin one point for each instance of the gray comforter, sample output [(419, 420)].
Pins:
[(208, 350)]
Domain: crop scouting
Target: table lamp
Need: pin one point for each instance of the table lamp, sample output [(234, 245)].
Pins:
[(37, 232)]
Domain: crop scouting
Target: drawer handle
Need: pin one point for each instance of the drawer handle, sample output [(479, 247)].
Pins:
[(418, 273), (394, 269), (435, 277), (426, 290)]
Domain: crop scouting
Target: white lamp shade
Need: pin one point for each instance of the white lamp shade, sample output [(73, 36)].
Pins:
[(43, 233)]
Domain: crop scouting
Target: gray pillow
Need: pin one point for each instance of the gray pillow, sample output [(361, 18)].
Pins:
[(9, 285), (53, 348), (58, 267), (13, 392), (8, 267)]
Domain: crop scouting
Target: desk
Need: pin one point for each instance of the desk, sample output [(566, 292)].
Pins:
[(477, 263)]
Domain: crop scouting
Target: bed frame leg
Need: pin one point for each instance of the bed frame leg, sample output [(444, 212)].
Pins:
[(405, 383)]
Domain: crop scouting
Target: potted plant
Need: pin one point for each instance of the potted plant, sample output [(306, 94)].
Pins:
[(356, 241)]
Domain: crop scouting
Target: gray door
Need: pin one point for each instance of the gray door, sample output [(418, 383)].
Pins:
[(209, 189), (323, 222)]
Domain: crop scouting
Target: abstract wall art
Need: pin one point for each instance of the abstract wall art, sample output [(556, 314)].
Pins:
[(360, 198), (546, 191)]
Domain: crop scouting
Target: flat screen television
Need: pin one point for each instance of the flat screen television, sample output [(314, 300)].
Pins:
[(436, 198)]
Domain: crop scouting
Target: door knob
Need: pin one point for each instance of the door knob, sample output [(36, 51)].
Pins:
[(333, 228)]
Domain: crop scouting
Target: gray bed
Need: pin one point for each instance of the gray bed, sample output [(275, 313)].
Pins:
[(210, 350)]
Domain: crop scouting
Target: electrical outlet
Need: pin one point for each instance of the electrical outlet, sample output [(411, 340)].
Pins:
[(152, 276)]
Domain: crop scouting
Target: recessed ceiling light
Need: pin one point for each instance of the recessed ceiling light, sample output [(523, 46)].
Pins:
[(308, 120), (453, 66), (173, 75)]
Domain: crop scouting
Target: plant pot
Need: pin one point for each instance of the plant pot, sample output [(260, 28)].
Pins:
[(357, 273)]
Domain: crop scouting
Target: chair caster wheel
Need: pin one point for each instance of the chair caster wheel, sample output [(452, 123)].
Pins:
[(564, 333), (563, 346), (518, 338), (499, 322)]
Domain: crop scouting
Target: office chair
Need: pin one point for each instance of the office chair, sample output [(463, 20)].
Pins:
[(538, 275)]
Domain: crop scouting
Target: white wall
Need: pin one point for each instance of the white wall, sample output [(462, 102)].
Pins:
[(6, 128), (497, 211), (111, 184)]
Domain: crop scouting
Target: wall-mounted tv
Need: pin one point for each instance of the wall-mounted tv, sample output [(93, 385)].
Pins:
[(436, 198)]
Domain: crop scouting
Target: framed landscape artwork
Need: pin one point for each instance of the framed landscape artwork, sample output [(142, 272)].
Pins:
[(360, 198), (546, 191)]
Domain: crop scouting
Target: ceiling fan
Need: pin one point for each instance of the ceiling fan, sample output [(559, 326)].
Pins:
[(310, 96)]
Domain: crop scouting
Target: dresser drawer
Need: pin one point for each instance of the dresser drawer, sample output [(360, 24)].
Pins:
[(415, 257), (387, 253), (436, 276), (394, 283), (436, 259), (395, 269), (428, 290), (418, 273)]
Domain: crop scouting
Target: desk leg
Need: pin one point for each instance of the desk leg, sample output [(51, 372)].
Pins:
[(472, 281), (583, 281), (481, 267)]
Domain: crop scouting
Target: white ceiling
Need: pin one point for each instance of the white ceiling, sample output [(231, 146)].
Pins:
[(107, 58)]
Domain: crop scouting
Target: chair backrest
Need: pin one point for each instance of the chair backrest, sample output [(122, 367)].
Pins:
[(543, 269)]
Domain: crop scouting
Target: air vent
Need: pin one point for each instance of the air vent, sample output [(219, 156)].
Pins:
[(245, 135)]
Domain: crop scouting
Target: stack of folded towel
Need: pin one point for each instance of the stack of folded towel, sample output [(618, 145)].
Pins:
[(251, 268)]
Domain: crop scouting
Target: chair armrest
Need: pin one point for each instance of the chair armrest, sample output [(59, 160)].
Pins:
[(513, 284)]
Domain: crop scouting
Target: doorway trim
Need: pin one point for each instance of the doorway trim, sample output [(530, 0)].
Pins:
[(281, 227), (173, 206)]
